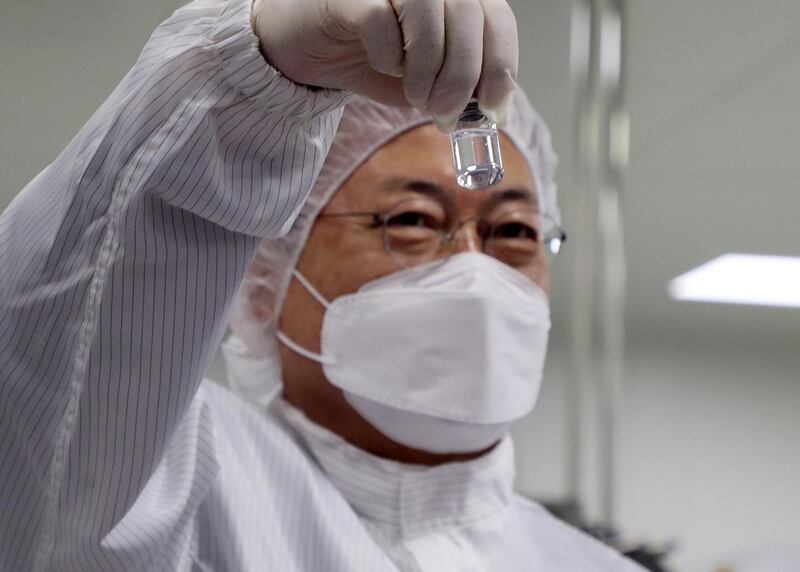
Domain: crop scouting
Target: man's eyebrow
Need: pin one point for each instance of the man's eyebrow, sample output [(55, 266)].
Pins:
[(510, 195)]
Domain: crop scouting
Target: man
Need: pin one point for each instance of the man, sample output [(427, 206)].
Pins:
[(406, 318)]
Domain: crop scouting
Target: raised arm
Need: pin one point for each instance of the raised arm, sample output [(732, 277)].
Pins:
[(118, 265), (119, 262)]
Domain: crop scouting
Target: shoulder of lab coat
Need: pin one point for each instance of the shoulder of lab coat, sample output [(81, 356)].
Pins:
[(560, 546)]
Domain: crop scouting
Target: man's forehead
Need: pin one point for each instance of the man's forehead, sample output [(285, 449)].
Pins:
[(420, 161), (488, 198)]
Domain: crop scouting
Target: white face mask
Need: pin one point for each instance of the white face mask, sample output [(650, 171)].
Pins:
[(440, 357)]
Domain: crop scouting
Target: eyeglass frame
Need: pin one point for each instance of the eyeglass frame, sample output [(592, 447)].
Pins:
[(380, 219)]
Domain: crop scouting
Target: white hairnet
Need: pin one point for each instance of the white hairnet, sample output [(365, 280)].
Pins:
[(252, 352)]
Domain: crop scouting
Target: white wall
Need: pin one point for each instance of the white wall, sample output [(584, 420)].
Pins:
[(709, 456)]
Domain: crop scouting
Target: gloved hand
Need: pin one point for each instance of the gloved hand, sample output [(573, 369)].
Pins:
[(431, 54)]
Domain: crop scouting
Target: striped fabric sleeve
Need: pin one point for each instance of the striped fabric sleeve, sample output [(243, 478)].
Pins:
[(118, 265)]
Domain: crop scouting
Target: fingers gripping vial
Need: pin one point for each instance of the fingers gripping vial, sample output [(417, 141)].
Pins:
[(476, 149)]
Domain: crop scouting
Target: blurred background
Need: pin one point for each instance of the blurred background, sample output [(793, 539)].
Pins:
[(672, 424)]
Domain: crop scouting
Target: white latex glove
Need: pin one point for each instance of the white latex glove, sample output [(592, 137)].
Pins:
[(431, 54)]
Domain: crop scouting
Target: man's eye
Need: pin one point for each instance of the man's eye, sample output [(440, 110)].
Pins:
[(412, 219), (516, 230)]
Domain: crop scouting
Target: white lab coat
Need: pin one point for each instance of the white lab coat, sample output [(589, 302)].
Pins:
[(118, 267)]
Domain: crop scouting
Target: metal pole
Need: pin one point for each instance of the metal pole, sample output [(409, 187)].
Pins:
[(597, 65), (611, 237), (582, 251)]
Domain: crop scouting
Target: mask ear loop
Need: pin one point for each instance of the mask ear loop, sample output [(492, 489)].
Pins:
[(311, 290), (291, 344), (300, 350)]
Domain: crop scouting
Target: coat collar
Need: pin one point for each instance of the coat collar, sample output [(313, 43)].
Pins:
[(414, 499)]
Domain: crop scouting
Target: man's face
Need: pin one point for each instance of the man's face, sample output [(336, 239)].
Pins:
[(412, 175)]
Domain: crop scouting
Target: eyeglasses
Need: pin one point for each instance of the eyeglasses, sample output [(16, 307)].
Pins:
[(518, 235)]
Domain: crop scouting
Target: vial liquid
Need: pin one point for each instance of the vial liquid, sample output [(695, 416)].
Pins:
[(476, 150)]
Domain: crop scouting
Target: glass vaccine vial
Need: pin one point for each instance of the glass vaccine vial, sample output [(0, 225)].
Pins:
[(476, 149)]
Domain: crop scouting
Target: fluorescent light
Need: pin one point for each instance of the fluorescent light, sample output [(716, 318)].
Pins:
[(742, 279)]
